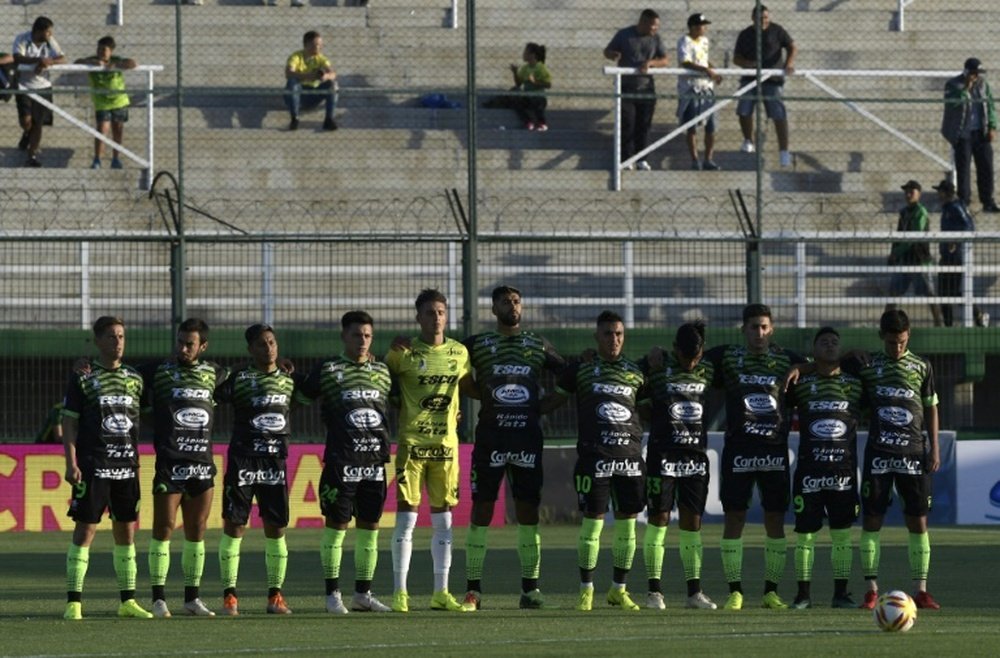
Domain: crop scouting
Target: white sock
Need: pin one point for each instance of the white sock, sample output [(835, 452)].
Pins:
[(402, 548), (441, 549)]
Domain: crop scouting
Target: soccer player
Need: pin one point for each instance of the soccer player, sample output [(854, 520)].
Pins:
[(609, 463), (100, 439), (676, 462), (900, 388), (755, 451), (825, 483), (428, 374), (508, 365), (353, 390), (261, 395), (181, 389)]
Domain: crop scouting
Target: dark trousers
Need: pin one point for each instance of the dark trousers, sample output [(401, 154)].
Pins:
[(974, 147), (950, 285), (530, 109), (637, 117)]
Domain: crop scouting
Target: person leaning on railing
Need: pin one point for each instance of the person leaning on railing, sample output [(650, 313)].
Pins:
[(36, 47)]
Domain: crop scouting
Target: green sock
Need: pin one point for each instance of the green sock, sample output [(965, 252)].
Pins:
[(775, 554), (529, 550), (691, 553), (365, 554), (869, 548), (193, 562), (805, 555), (623, 547), (229, 559), (331, 552), (732, 559), (77, 561), (842, 553), (159, 561), (652, 550), (475, 552), (589, 543), (125, 569), (276, 561), (920, 555)]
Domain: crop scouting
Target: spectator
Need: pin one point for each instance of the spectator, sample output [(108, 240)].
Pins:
[(310, 69), (39, 48), (970, 124), (954, 217), (774, 41), (6, 75), (107, 88), (274, 3), (638, 46), (194, 2), (533, 75), (697, 92), (913, 217)]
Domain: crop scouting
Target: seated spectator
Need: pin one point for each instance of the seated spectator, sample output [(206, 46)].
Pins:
[(311, 81), (533, 75), (107, 89)]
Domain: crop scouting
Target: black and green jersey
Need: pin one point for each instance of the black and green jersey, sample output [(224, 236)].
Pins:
[(677, 399), (183, 408), (106, 404), (829, 408), (898, 391), (608, 395), (508, 372), (262, 404), (753, 386), (353, 405)]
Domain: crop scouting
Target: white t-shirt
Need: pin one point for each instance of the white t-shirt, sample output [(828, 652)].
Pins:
[(693, 51), (25, 47)]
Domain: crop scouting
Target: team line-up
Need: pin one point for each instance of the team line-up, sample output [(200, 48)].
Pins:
[(425, 376)]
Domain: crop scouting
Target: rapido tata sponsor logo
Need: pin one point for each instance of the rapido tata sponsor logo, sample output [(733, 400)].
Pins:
[(511, 394), (614, 412), (760, 403), (191, 418)]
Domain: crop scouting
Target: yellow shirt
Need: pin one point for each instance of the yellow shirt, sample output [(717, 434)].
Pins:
[(299, 63), (427, 379)]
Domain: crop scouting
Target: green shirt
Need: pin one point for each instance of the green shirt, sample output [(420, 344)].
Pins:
[(107, 88)]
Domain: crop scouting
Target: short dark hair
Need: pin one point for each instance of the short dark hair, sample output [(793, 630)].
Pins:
[(41, 24), (355, 317), (309, 36), (753, 12), (690, 338), (894, 321), (824, 331), (756, 311), (107, 42), (102, 323), (536, 49), (500, 291), (195, 324), (254, 331), (609, 316), (430, 295), (648, 15)]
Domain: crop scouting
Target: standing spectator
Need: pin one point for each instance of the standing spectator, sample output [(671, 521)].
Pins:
[(311, 80), (954, 217), (638, 46), (107, 89), (274, 3), (697, 92), (533, 75), (775, 41), (39, 48), (970, 124), (913, 217)]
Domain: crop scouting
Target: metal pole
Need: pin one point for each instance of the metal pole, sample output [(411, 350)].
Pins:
[(178, 293), (120, 13), (618, 133), (470, 255), (148, 172), (754, 288), (628, 285)]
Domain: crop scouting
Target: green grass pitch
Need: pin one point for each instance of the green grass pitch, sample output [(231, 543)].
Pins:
[(964, 578)]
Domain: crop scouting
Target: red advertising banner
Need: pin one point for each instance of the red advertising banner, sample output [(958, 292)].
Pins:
[(34, 497)]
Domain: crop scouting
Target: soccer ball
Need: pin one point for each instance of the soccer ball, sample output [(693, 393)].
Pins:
[(895, 611)]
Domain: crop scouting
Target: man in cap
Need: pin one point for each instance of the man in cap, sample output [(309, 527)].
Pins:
[(913, 217), (954, 217), (970, 124), (697, 91)]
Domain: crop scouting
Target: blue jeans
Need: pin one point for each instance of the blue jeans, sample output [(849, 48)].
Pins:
[(297, 98)]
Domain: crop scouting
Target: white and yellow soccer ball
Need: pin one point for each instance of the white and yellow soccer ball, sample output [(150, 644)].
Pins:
[(895, 611)]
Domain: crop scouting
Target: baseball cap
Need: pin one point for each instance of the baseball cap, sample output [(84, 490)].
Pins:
[(945, 186), (254, 331), (911, 185), (698, 19), (973, 65)]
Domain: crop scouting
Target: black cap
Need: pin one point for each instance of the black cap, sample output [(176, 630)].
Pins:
[(254, 331), (973, 65), (698, 19), (945, 186), (911, 185)]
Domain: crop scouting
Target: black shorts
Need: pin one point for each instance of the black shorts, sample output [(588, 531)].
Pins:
[(599, 479), (743, 467), (881, 471), (516, 456), (189, 478), (92, 495), (347, 491), (38, 112), (675, 477), (818, 494), (263, 478)]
